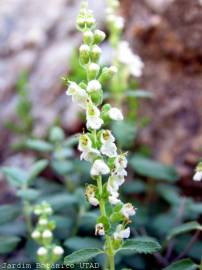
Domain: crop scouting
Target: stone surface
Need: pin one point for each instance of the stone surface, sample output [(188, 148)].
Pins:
[(38, 37), (169, 41)]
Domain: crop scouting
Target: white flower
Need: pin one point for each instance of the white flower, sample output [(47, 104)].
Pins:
[(58, 250), (99, 167), (121, 162), (128, 210), (93, 201), (84, 143), (43, 221), (99, 229), (197, 176), (114, 200), (47, 234), (119, 22), (42, 251), (121, 233), (115, 114), (128, 58), (93, 85), (93, 117), (85, 146), (108, 147), (78, 94), (36, 234), (106, 136), (90, 194), (90, 155)]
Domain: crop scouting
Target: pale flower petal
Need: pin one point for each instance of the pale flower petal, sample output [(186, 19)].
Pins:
[(197, 176), (99, 167), (115, 114)]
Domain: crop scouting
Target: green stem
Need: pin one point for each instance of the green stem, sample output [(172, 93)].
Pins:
[(200, 267), (109, 249), (27, 215)]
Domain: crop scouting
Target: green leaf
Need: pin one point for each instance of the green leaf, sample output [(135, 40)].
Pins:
[(105, 221), (120, 129), (9, 212), (169, 193), (82, 255), (116, 216), (142, 244), (134, 186), (62, 167), (29, 194), (60, 201), (36, 169), (185, 264), (8, 243), (39, 145), (77, 242), (185, 228), (16, 176), (150, 168)]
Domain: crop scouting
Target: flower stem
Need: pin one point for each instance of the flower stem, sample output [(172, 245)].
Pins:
[(109, 249)]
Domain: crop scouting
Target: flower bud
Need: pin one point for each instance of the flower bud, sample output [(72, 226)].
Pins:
[(99, 36), (84, 53), (42, 252), (58, 251), (107, 73), (93, 71), (88, 37), (90, 21), (81, 23), (47, 234), (43, 221), (36, 235), (95, 53), (93, 85)]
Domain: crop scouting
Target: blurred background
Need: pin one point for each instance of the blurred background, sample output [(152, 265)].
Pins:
[(37, 41)]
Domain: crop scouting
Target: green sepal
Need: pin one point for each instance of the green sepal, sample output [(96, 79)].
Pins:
[(116, 217), (97, 97)]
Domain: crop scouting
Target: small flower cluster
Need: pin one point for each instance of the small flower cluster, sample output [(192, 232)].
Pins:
[(198, 174), (123, 55), (98, 145), (114, 21), (48, 252)]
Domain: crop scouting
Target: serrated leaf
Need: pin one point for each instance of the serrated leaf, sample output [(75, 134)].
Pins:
[(15, 176), (8, 243), (36, 169), (150, 168), (144, 245), (77, 242), (82, 255), (9, 212), (29, 194), (185, 264), (184, 228), (39, 145)]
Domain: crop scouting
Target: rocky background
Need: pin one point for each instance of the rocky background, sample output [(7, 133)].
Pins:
[(39, 37)]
